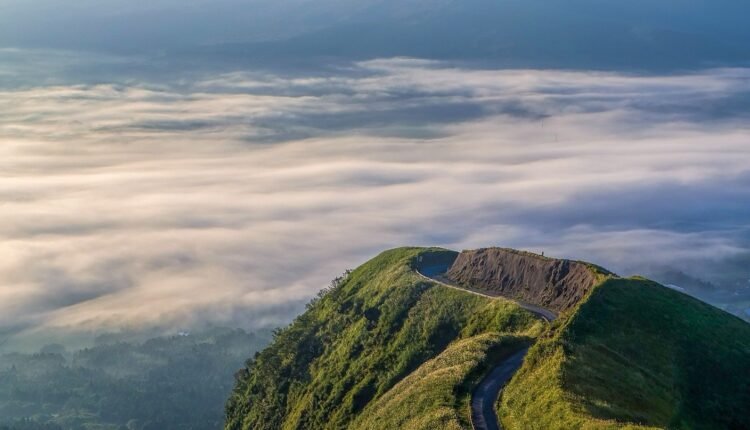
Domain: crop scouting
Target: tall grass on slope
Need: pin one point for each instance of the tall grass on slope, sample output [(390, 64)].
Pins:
[(636, 355), (437, 395), (357, 342)]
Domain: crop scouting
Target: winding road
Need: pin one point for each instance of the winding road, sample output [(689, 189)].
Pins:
[(436, 274), (483, 414)]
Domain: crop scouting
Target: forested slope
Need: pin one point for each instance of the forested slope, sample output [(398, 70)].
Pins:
[(164, 383)]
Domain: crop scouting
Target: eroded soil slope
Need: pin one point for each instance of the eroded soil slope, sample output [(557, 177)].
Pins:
[(554, 284)]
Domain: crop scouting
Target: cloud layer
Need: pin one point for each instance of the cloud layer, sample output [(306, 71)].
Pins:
[(235, 197)]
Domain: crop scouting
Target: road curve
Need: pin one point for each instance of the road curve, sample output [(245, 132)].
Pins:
[(483, 414), (430, 274)]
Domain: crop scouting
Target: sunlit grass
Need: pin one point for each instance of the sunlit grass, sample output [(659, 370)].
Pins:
[(359, 341), (436, 395), (635, 355)]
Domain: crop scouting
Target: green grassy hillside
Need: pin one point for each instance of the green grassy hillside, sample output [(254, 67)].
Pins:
[(636, 355), (352, 346), (437, 394), (387, 349)]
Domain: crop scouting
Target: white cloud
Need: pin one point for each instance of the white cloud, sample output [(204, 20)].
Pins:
[(230, 198)]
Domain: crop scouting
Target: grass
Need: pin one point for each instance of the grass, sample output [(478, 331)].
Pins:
[(635, 355), (437, 394), (359, 341), (388, 349)]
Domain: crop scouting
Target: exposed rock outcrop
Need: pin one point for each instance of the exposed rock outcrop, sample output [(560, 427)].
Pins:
[(553, 284)]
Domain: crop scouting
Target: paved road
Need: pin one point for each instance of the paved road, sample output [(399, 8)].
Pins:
[(434, 274), (483, 415)]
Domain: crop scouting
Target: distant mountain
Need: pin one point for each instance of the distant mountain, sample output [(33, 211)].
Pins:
[(580, 34), (577, 34), (403, 341)]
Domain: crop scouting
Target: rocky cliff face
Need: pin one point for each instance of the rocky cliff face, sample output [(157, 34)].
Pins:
[(557, 285)]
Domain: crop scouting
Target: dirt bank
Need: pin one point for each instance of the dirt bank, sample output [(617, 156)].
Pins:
[(552, 284)]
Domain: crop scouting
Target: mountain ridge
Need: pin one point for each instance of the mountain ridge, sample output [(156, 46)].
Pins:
[(368, 354)]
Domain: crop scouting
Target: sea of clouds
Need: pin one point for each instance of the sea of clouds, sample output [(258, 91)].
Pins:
[(232, 198)]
